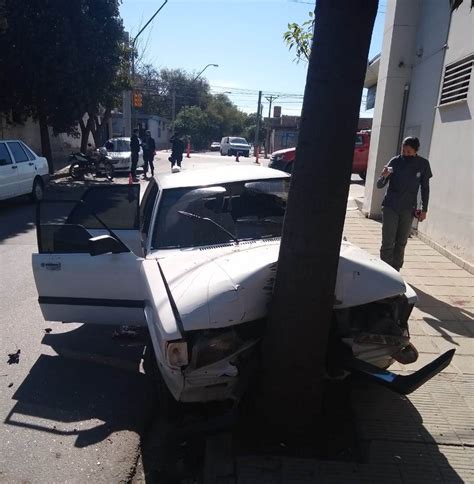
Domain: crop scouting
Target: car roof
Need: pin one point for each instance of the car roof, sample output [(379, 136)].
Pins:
[(215, 175)]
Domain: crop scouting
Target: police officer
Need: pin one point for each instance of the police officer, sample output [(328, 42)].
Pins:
[(405, 175)]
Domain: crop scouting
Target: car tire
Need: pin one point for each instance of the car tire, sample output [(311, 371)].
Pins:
[(169, 408), (75, 171), (363, 175), (221, 152), (37, 193), (247, 155)]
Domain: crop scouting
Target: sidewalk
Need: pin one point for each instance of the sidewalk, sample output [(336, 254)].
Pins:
[(429, 435)]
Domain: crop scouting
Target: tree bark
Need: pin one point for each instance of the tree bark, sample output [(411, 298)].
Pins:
[(46, 142), (294, 349), (85, 131)]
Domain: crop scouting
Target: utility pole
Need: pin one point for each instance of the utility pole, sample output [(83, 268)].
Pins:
[(257, 127), (130, 114), (270, 100)]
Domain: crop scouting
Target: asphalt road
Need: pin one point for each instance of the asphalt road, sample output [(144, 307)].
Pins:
[(76, 405)]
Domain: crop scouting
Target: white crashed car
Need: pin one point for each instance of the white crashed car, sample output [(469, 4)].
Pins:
[(118, 149), (194, 262)]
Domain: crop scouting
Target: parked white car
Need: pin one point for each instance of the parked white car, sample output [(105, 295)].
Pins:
[(22, 171), (231, 145), (118, 149), (195, 262)]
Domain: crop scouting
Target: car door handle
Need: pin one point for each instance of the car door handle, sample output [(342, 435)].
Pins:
[(31, 163), (14, 167)]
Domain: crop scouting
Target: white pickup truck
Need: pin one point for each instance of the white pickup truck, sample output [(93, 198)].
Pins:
[(195, 262)]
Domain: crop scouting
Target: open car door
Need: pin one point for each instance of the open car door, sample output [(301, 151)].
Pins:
[(74, 285)]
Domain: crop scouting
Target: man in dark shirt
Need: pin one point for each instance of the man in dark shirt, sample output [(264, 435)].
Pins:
[(135, 150), (405, 175), (149, 147)]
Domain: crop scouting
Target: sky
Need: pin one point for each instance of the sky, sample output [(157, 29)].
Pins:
[(244, 37)]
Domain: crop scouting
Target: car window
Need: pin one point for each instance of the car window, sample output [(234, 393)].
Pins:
[(238, 140), (18, 152), (118, 145), (115, 205), (359, 140), (249, 210), (29, 153), (5, 158)]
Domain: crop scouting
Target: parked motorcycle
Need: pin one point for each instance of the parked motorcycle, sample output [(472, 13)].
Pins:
[(97, 164)]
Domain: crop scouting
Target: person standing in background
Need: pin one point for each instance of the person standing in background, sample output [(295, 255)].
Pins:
[(405, 174), (149, 148), (135, 151)]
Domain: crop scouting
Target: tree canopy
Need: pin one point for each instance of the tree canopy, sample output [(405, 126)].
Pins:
[(60, 60)]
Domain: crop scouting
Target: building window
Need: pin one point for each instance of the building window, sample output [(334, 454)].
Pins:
[(457, 77)]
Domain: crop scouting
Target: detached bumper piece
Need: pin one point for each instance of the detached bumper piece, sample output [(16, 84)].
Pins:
[(403, 384)]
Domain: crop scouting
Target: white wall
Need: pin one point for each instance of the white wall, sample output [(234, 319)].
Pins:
[(61, 145), (451, 154)]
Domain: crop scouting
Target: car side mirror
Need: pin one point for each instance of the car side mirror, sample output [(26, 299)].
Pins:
[(105, 244)]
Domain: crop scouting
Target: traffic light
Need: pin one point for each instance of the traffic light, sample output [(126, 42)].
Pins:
[(137, 100)]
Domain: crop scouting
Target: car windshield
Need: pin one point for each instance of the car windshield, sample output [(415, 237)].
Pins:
[(244, 210), (241, 141), (120, 145)]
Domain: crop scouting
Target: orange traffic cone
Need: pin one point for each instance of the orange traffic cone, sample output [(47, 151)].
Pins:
[(130, 178)]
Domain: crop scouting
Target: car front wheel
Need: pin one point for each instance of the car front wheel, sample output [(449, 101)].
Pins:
[(37, 193)]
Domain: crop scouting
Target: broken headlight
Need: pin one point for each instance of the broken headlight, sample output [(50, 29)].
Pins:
[(177, 354)]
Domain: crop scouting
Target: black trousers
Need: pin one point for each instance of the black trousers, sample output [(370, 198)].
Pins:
[(133, 168), (176, 158), (148, 159)]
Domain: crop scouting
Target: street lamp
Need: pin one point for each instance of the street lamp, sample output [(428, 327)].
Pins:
[(208, 65), (132, 122)]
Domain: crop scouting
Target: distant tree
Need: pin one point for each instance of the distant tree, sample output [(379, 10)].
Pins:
[(157, 88), (204, 116), (60, 60), (251, 126)]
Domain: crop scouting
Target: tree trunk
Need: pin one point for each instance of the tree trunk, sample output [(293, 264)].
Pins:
[(294, 350), (46, 142), (85, 131)]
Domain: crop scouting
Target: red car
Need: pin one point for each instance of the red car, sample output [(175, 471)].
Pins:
[(283, 159)]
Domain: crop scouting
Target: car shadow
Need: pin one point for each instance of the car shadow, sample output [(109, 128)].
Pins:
[(94, 376), (438, 309), (394, 442)]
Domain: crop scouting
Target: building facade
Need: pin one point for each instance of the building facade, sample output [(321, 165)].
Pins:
[(424, 87)]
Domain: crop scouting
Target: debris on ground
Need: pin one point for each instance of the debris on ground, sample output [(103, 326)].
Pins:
[(47, 330), (14, 358), (10, 385)]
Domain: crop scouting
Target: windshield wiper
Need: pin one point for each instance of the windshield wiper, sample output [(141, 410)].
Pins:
[(213, 222)]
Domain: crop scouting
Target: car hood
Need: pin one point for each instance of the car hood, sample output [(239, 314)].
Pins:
[(223, 286), (283, 152)]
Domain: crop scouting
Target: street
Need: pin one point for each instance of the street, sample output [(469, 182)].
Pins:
[(76, 402)]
